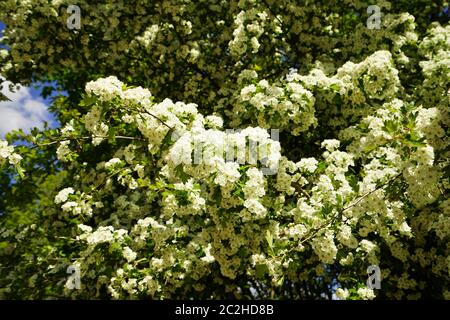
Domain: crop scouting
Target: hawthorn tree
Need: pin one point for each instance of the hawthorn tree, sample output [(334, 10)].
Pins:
[(137, 189)]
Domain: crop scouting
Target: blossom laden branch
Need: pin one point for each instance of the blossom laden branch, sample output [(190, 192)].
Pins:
[(339, 214)]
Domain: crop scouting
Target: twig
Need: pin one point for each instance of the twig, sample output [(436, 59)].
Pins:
[(83, 138), (151, 114), (273, 13)]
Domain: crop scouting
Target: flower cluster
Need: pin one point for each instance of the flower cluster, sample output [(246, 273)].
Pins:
[(7, 154), (250, 26), (288, 106)]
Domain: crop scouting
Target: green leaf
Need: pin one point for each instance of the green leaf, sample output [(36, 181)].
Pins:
[(370, 148), (180, 173), (20, 171), (281, 281), (261, 270), (335, 87), (321, 167), (390, 126), (413, 139), (217, 195)]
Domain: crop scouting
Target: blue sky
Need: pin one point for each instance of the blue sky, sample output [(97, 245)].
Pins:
[(27, 109)]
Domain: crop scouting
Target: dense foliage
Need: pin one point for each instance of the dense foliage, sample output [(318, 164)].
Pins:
[(358, 176)]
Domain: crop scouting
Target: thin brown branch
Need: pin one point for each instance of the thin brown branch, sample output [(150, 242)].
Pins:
[(83, 138), (152, 115)]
